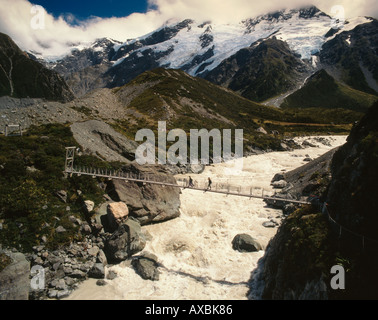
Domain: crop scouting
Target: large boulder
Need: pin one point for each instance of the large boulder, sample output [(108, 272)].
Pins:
[(117, 212), (97, 271), (146, 266), (14, 278), (148, 203), (127, 240), (245, 243)]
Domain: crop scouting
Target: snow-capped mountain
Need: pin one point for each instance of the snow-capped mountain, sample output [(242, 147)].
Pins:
[(194, 47)]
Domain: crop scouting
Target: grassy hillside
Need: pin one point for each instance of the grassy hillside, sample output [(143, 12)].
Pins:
[(323, 91), (192, 103)]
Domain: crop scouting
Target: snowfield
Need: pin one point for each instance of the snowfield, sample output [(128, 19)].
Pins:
[(304, 35)]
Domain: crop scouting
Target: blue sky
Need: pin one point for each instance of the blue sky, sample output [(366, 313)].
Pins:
[(83, 9)]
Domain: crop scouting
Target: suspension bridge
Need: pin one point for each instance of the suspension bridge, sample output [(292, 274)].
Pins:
[(182, 183)]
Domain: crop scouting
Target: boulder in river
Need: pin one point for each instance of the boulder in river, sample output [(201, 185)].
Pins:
[(245, 243), (127, 240), (146, 266)]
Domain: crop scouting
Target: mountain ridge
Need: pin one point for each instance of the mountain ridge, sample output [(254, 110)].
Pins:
[(22, 77), (195, 47)]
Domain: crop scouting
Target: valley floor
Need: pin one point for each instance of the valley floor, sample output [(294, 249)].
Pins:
[(195, 250)]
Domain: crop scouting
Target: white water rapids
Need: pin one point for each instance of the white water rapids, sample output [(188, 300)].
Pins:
[(195, 250)]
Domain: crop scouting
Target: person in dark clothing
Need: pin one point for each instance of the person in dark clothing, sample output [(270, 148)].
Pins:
[(191, 184), (209, 184)]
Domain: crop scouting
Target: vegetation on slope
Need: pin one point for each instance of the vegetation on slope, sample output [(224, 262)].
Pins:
[(323, 91), (191, 103), (31, 169)]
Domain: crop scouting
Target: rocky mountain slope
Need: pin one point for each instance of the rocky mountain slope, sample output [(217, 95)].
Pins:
[(298, 260), (351, 57), (262, 71), (22, 77), (353, 192)]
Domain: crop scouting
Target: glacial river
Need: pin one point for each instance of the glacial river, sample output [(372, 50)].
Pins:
[(195, 250)]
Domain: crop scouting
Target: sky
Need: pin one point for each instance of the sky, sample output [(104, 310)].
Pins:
[(56, 25), (84, 9)]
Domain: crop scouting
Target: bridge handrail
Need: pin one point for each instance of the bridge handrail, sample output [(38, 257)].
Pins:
[(113, 174), (364, 239)]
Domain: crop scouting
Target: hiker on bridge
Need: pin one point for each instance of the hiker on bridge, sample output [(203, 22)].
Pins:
[(209, 184), (191, 184)]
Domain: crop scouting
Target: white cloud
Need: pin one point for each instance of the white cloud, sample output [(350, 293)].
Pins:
[(57, 35)]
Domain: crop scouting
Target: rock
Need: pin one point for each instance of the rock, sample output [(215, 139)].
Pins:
[(278, 177), (60, 229), (101, 257), (73, 219), (67, 270), (147, 266), (78, 274), (117, 212), (261, 130), (307, 143), (284, 147), (111, 275), (147, 203), (307, 159), (53, 259), (96, 228), (269, 224), (94, 251), (97, 271), (69, 281), (101, 282), (127, 240), (63, 294), (279, 184), (62, 195), (197, 168), (14, 278), (88, 206), (85, 228), (59, 284), (52, 293), (245, 243)]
